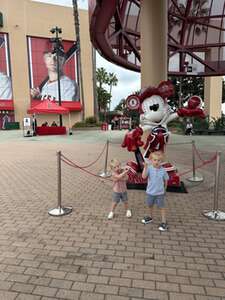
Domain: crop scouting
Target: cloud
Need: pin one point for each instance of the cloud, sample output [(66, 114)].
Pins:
[(83, 4), (128, 81)]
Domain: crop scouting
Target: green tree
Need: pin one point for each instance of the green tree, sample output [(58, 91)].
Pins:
[(103, 97), (187, 86), (105, 79), (101, 76), (103, 100), (112, 81)]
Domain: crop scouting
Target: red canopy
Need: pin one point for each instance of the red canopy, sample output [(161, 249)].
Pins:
[(6, 104), (48, 107)]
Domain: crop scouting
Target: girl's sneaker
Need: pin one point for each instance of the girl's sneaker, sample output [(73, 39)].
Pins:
[(163, 227), (110, 215), (128, 213), (146, 220)]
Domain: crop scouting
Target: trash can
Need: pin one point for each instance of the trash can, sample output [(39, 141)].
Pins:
[(104, 126)]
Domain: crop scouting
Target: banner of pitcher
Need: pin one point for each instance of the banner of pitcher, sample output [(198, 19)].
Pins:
[(46, 61)]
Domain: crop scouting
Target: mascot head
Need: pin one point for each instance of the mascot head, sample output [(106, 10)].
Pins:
[(152, 102)]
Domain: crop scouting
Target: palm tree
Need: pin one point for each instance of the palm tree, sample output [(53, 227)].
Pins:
[(77, 31), (112, 81), (103, 95), (103, 99), (101, 76)]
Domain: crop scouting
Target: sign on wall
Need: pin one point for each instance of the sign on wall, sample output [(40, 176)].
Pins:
[(5, 76), (44, 68)]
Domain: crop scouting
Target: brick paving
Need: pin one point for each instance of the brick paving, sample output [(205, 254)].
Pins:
[(84, 256)]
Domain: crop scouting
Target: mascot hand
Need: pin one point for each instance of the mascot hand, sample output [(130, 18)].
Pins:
[(132, 139), (187, 112), (193, 108)]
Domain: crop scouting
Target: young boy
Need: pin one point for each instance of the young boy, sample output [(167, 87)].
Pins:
[(119, 177), (156, 188)]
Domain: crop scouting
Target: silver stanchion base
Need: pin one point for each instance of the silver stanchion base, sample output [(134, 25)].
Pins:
[(195, 178), (105, 174), (215, 215), (60, 211)]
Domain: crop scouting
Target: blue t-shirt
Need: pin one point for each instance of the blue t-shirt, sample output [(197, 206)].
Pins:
[(156, 178)]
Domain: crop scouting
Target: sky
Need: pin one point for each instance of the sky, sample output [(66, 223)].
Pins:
[(128, 81)]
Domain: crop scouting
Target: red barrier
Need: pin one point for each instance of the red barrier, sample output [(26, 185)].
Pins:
[(104, 126), (51, 130)]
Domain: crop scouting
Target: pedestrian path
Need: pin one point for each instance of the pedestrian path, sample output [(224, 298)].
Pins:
[(83, 255)]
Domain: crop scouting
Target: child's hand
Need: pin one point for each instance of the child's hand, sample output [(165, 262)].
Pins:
[(147, 161), (126, 168), (145, 164)]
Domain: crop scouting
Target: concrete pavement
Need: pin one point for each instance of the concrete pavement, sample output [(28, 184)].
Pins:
[(85, 256)]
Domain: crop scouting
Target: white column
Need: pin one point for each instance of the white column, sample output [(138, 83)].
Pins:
[(153, 42), (213, 96)]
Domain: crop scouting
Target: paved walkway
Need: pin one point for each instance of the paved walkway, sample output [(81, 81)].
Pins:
[(83, 255)]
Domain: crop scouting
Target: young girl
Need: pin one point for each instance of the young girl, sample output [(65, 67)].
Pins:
[(119, 177), (156, 188)]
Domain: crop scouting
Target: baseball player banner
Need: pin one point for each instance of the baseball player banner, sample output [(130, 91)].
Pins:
[(47, 62), (5, 73)]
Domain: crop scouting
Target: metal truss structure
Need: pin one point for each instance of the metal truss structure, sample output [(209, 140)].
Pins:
[(196, 35)]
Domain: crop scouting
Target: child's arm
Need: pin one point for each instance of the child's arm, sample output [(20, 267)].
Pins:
[(120, 176), (145, 171), (166, 178), (165, 184)]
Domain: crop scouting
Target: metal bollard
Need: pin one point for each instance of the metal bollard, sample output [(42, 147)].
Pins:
[(59, 210), (105, 173), (194, 178), (216, 214)]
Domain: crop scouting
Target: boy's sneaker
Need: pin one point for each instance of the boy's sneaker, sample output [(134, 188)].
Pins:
[(110, 215), (163, 227), (128, 213), (146, 220)]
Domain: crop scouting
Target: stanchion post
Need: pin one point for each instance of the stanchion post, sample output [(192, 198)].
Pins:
[(216, 214), (194, 178), (59, 179), (59, 210), (216, 189), (105, 173)]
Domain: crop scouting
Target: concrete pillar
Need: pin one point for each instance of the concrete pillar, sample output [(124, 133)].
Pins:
[(153, 42), (213, 96)]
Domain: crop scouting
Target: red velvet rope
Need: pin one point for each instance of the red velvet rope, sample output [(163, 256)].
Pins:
[(72, 164), (198, 154), (201, 165), (91, 164)]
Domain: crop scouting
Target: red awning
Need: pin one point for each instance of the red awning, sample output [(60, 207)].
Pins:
[(47, 107), (6, 104), (70, 105)]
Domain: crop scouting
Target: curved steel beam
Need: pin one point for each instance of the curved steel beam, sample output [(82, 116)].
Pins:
[(195, 34), (100, 19)]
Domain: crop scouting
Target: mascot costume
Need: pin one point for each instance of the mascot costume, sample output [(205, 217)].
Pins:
[(155, 114)]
